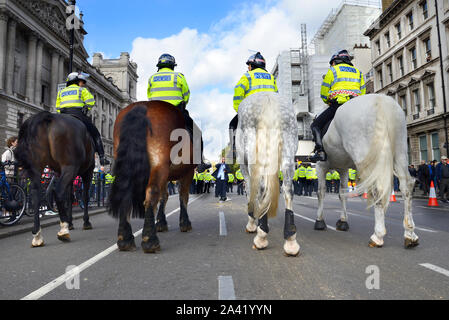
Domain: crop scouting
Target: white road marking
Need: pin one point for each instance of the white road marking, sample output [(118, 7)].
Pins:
[(75, 271), (311, 220), (389, 220), (223, 231), (435, 268), (436, 208), (226, 288)]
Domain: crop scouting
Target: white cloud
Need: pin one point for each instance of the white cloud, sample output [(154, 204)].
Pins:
[(214, 62)]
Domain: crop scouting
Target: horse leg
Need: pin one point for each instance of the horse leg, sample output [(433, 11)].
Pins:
[(38, 240), (62, 200), (70, 207), (125, 239), (291, 246), (87, 180), (377, 239), (251, 226), (184, 223), (342, 224), (410, 238), (321, 174), (161, 221), (260, 240)]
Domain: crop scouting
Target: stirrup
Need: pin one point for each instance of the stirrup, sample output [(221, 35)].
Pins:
[(318, 156)]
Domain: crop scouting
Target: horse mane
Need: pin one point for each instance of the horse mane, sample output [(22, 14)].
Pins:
[(28, 135)]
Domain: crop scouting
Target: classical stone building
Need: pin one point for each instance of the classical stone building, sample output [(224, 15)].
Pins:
[(407, 66), (34, 62)]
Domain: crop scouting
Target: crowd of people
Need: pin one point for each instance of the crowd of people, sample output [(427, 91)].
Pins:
[(432, 171)]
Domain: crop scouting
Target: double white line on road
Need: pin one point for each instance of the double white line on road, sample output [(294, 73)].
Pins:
[(75, 271)]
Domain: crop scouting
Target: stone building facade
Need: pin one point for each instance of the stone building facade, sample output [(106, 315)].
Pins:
[(406, 66), (34, 62)]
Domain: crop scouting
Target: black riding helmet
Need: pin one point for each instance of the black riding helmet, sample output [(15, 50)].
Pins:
[(256, 61), (166, 61), (341, 57)]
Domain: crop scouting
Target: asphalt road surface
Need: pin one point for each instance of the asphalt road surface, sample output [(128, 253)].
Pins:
[(216, 259)]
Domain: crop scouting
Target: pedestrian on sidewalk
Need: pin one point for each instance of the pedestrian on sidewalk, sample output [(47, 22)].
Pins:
[(444, 179), (424, 177), (8, 155)]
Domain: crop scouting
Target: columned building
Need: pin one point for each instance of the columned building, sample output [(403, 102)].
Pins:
[(406, 66), (34, 63)]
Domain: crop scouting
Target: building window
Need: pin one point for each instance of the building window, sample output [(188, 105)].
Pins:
[(416, 101), (413, 58), (435, 146), (387, 39), (390, 72), (431, 92), (398, 31), (20, 116), (424, 8), (401, 65), (403, 100), (381, 81), (410, 20), (428, 47), (377, 43), (423, 147)]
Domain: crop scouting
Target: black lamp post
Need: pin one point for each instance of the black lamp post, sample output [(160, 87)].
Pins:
[(72, 36)]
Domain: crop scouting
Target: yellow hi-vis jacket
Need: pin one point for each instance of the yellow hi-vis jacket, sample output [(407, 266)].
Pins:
[(239, 175), (328, 176), (352, 174), (257, 80), (342, 82), (74, 96), (230, 178), (302, 172), (335, 175), (169, 86), (309, 173)]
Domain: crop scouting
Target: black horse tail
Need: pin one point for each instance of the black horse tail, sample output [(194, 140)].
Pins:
[(28, 136), (132, 166)]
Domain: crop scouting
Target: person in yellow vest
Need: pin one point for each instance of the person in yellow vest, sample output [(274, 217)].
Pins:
[(295, 181), (342, 82), (193, 187), (76, 100), (336, 180), (200, 184), (329, 182), (230, 182), (240, 181), (352, 177), (207, 181), (302, 179), (309, 182), (170, 86), (281, 180), (315, 181), (257, 79), (109, 180)]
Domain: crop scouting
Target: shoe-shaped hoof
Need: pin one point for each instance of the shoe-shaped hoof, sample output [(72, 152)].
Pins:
[(372, 244), (185, 228), (87, 226), (320, 225), (150, 246), (342, 225), (409, 243), (126, 245), (64, 237), (161, 227)]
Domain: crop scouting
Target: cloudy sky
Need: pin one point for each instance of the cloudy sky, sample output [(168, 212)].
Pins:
[(211, 41)]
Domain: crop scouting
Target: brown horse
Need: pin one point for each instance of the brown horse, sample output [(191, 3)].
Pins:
[(144, 163), (62, 143)]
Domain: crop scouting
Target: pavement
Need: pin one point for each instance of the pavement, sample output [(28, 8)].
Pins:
[(216, 259)]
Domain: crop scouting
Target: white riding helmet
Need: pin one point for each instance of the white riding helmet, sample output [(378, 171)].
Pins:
[(76, 76)]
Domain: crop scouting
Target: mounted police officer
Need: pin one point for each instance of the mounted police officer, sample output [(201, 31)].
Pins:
[(76, 100), (170, 86), (257, 79), (342, 82)]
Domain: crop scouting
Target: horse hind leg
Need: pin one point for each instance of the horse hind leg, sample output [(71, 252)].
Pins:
[(161, 220), (320, 224), (38, 240), (342, 223), (87, 180), (377, 238), (260, 240), (410, 238), (291, 246), (125, 239), (184, 222), (251, 226), (63, 200)]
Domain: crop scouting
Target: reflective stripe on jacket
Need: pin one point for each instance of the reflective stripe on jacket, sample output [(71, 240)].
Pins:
[(169, 86), (342, 82), (74, 96), (257, 80)]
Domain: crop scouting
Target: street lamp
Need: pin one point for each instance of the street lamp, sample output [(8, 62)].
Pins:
[(72, 36)]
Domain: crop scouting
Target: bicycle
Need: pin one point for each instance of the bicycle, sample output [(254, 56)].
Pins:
[(12, 199), (48, 202)]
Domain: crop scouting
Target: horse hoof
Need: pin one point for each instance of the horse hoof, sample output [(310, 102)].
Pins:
[(291, 255), (249, 231), (409, 243), (149, 247), (320, 225), (342, 225), (71, 227), (372, 244), (87, 226), (185, 228), (126, 245), (64, 237), (161, 227), (37, 245)]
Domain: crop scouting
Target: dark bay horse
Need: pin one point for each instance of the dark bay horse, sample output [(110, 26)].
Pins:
[(63, 143), (144, 163)]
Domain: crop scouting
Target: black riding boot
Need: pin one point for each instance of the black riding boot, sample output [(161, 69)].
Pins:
[(232, 129), (100, 151), (320, 154)]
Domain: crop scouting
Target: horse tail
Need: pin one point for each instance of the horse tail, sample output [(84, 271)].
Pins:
[(264, 191), (132, 165), (28, 136), (377, 169)]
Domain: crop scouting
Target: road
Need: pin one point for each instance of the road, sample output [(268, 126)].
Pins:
[(216, 261)]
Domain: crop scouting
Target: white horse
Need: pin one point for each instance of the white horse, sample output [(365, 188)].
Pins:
[(369, 133), (266, 142)]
